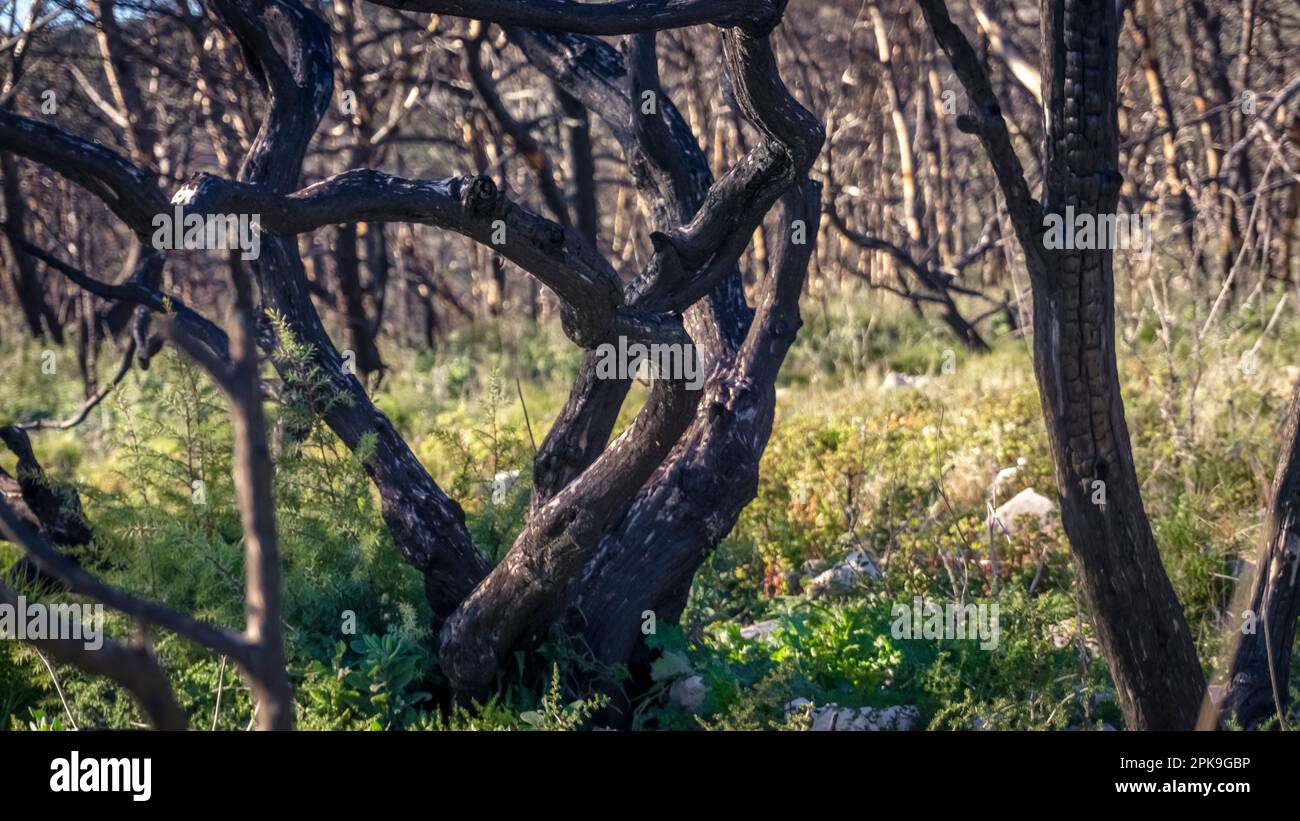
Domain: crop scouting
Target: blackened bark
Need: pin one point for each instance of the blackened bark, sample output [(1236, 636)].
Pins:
[(1139, 621), (347, 267), (1259, 677), (533, 152), (582, 165), (40, 317), (427, 526), (378, 265), (525, 591), (594, 76), (690, 292), (54, 507), (579, 433), (647, 562), (1140, 624), (693, 500)]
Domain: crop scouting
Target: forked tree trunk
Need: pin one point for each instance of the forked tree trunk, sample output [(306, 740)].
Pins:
[(688, 462), (646, 564)]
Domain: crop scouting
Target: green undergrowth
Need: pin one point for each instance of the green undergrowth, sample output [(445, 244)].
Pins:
[(901, 476)]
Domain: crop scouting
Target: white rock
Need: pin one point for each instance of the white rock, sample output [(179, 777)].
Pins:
[(1005, 477), (1065, 633), (824, 719), (844, 577), (812, 567), (502, 484), (832, 717), (688, 693), (863, 562), (894, 380), (759, 630), (1027, 502)]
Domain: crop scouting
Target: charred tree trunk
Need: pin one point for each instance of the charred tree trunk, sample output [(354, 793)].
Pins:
[(677, 434), (38, 314), (1139, 621), (427, 526), (1258, 681), (689, 293), (582, 164), (351, 296), (1140, 624), (647, 562)]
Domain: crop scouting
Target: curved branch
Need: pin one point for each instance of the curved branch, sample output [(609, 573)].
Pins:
[(132, 193), (49, 560), (520, 133), (288, 50), (138, 290), (133, 667), (91, 402), (620, 17), (472, 206)]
